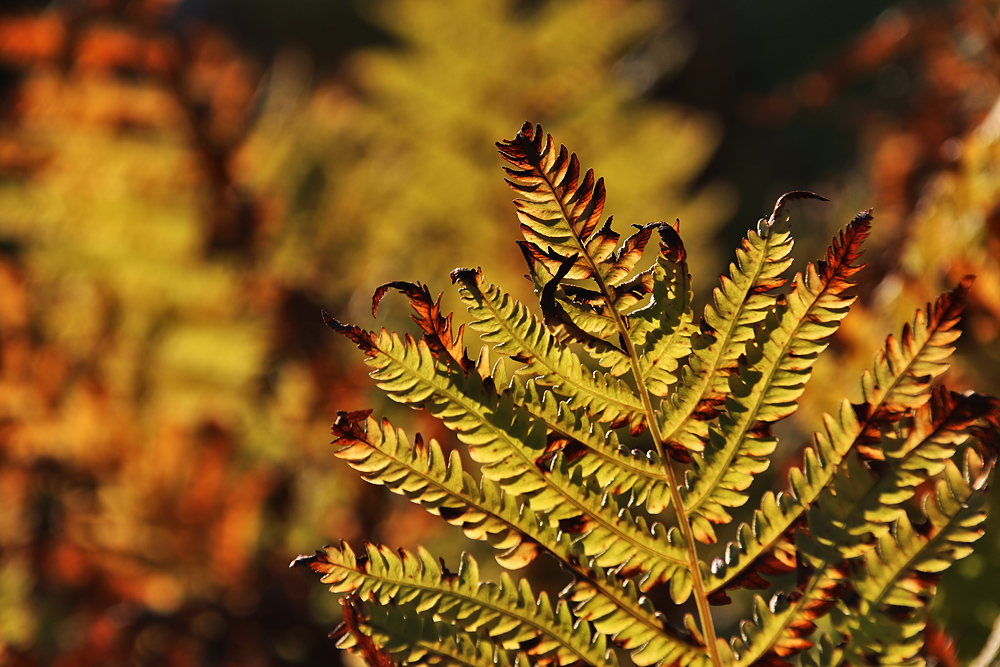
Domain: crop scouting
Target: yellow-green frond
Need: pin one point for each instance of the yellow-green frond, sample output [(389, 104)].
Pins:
[(769, 380), (509, 614)]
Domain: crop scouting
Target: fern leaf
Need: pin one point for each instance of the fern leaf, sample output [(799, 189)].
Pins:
[(615, 538), (765, 546), (427, 314), (559, 320), (616, 608), (511, 328), (558, 212), (559, 216), (555, 478), (899, 577), (903, 371), (661, 330), (420, 640), (900, 381), (860, 505), (573, 313), (384, 455), (899, 572), (742, 301), (500, 436), (771, 379), (416, 639), (827, 654), (508, 613), (781, 628), (599, 455), (510, 446)]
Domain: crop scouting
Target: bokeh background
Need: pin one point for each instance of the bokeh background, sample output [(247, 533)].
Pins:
[(184, 184)]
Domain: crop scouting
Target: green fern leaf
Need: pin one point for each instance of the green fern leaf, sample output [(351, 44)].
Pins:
[(615, 538), (899, 576), (617, 609), (508, 613), (900, 380), (383, 455), (742, 301), (502, 437), (860, 505), (510, 327), (416, 639), (770, 380), (588, 309), (599, 454), (661, 330), (780, 628)]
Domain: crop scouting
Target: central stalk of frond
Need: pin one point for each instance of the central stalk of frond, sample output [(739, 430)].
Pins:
[(699, 589)]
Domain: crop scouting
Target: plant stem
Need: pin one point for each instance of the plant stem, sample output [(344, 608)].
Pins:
[(684, 524)]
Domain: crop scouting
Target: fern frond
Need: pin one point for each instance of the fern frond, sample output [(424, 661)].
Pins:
[(904, 370), (555, 477), (661, 330), (900, 381), (499, 436), (741, 302), (427, 314), (559, 212), (778, 363), (617, 609), (899, 572), (588, 307), (508, 613), (559, 218), (781, 628), (384, 455), (764, 546), (899, 576), (512, 448), (597, 453), (513, 330), (416, 639), (860, 505), (616, 539)]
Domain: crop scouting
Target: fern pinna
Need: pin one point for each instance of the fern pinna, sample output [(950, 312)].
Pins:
[(885, 498)]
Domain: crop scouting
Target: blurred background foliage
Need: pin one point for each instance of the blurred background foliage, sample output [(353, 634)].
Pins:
[(184, 184)]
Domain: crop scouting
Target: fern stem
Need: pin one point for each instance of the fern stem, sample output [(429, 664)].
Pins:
[(684, 524)]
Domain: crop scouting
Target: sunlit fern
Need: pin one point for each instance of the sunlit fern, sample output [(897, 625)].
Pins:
[(884, 499)]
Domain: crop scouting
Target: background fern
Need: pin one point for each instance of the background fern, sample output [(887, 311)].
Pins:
[(545, 437)]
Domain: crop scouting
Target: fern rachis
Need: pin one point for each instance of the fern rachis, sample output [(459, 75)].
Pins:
[(556, 481)]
